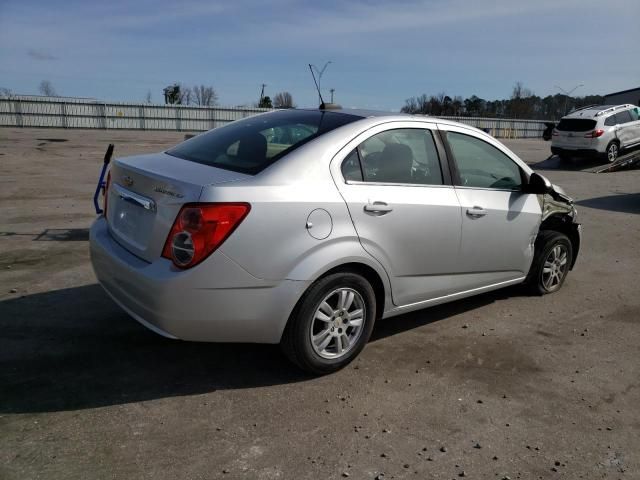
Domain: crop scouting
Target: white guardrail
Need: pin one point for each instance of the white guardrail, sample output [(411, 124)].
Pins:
[(61, 112)]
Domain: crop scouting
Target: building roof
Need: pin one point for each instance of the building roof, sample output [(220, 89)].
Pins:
[(623, 91)]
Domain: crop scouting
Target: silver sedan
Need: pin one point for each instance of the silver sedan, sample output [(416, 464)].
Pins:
[(304, 227)]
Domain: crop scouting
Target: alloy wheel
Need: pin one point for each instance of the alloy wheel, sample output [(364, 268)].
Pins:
[(555, 267), (338, 323)]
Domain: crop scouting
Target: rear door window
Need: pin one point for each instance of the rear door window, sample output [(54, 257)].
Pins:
[(610, 121), (404, 155), (623, 117), (252, 144)]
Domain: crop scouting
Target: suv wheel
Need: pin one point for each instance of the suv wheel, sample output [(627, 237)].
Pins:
[(551, 262), (613, 149), (331, 323)]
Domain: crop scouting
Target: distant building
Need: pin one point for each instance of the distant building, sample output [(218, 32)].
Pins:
[(626, 96)]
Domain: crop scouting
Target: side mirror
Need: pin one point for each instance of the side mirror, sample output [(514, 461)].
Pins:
[(538, 184)]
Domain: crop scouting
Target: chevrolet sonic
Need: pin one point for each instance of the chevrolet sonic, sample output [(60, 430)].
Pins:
[(304, 227)]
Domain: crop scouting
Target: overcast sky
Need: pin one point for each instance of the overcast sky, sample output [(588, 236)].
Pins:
[(382, 52)]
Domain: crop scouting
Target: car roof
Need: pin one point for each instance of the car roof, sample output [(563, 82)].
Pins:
[(391, 116), (593, 111)]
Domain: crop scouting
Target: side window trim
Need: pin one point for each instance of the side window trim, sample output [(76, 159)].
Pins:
[(443, 156), (457, 181), (451, 164), (342, 163), (359, 155)]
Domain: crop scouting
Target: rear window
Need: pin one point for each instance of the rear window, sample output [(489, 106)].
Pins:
[(623, 117), (252, 144), (576, 125)]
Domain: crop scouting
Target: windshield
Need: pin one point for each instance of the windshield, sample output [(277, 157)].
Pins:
[(252, 144)]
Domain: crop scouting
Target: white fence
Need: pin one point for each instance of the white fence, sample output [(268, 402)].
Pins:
[(505, 127), (60, 112), (55, 112)]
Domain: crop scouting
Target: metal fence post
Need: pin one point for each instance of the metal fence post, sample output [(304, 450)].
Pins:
[(104, 116), (63, 109), (17, 106), (142, 123)]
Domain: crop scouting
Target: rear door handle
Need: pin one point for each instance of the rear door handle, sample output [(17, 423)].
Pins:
[(377, 207), (476, 212)]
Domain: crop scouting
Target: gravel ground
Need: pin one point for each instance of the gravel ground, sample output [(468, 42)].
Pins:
[(502, 385)]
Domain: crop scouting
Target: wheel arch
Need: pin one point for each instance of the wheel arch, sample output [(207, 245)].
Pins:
[(563, 223), (375, 275), (370, 274)]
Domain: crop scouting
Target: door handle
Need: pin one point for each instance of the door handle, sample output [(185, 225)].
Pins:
[(377, 207), (476, 212)]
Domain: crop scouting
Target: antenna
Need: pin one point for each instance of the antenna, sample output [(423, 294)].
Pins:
[(316, 82)]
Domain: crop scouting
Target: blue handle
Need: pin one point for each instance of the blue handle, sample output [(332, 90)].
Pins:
[(101, 182)]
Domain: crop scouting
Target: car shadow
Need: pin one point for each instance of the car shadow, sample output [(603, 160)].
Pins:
[(74, 348), (54, 235), (553, 162), (419, 318), (625, 203)]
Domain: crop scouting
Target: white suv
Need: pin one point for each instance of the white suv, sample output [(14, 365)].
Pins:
[(597, 130)]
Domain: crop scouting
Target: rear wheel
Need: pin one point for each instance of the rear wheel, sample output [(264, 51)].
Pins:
[(331, 323), (551, 262), (613, 150)]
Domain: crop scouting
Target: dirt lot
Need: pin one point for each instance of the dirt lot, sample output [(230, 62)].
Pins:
[(498, 386)]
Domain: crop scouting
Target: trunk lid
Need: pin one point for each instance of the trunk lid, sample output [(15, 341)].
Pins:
[(146, 193)]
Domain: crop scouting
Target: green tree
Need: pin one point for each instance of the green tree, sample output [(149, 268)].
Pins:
[(265, 102)]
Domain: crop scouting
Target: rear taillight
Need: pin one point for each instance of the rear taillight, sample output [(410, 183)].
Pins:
[(555, 133), (199, 229), (595, 134), (105, 192)]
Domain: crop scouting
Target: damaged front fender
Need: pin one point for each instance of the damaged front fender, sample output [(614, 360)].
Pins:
[(559, 214)]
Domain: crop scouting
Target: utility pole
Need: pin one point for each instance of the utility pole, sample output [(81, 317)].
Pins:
[(262, 93), (566, 98), (332, 90)]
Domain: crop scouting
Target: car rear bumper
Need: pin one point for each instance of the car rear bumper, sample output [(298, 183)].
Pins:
[(577, 152), (216, 301)]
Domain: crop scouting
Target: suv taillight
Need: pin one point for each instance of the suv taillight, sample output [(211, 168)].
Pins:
[(105, 192), (595, 134), (199, 229)]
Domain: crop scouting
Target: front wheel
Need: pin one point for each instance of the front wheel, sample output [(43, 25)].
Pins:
[(551, 262), (331, 323)]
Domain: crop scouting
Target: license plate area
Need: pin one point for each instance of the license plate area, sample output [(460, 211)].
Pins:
[(131, 221)]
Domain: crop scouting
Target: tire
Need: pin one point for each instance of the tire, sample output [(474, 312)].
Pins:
[(308, 318), (612, 152), (548, 245), (564, 157)]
